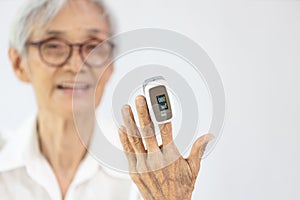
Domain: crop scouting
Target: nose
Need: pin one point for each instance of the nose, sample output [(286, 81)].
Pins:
[(75, 62)]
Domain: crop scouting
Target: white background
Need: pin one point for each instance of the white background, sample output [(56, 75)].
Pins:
[(255, 46)]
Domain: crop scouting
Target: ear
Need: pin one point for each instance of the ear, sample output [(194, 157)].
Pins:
[(18, 64)]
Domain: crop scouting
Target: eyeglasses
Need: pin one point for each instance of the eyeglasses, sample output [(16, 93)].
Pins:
[(56, 52)]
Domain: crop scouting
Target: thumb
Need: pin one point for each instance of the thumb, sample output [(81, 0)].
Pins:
[(197, 151)]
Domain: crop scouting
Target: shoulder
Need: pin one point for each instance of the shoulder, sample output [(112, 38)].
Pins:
[(5, 137), (2, 141), (7, 140), (16, 144)]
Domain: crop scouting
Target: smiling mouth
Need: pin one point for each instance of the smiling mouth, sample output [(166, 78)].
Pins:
[(73, 86)]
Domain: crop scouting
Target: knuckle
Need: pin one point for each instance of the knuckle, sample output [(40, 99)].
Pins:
[(165, 129), (126, 146), (148, 130), (134, 140)]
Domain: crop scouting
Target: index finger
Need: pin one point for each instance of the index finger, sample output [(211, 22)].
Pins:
[(146, 124), (133, 133)]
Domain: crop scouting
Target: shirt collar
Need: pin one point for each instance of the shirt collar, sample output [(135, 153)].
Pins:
[(23, 148)]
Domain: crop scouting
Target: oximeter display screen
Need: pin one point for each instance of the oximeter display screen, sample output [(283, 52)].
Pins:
[(162, 101)]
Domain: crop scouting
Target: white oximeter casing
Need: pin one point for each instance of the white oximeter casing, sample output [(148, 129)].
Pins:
[(156, 94)]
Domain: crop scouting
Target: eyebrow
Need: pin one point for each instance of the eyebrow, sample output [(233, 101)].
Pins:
[(90, 31), (93, 30), (97, 31), (54, 32)]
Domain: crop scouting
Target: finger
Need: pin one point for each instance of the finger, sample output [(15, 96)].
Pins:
[(146, 124), (198, 151), (125, 141), (133, 133), (128, 149), (166, 133)]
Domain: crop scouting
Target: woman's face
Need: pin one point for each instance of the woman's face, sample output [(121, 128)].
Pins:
[(55, 87)]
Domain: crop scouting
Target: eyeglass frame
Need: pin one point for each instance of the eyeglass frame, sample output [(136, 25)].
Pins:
[(71, 47)]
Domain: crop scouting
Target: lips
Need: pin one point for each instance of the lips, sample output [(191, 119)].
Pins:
[(72, 86)]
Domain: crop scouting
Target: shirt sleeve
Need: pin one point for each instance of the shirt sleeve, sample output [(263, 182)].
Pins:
[(2, 141), (4, 136)]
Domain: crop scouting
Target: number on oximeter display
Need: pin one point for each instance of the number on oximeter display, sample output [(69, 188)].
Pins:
[(162, 101)]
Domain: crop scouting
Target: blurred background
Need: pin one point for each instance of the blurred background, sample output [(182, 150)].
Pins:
[(255, 46)]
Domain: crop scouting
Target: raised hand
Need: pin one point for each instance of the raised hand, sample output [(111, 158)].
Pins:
[(160, 172)]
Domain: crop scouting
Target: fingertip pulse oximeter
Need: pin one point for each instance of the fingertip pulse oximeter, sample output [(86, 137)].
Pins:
[(156, 94)]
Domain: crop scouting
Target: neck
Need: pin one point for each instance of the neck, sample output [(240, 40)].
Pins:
[(61, 144)]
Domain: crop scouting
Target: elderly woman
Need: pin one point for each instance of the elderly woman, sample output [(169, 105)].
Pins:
[(46, 159)]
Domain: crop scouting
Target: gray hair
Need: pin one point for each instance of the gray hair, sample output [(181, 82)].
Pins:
[(40, 12)]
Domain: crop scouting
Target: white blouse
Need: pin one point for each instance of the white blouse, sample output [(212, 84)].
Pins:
[(26, 174)]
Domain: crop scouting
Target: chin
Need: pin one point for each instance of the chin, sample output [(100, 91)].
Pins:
[(78, 110)]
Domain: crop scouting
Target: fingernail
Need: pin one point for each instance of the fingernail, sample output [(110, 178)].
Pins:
[(210, 137), (140, 101), (204, 147), (125, 110)]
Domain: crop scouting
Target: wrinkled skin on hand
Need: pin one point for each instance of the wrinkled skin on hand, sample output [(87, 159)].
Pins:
[(159, 172)]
